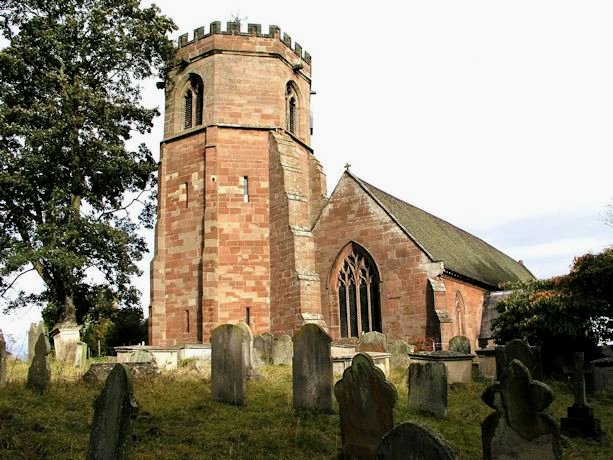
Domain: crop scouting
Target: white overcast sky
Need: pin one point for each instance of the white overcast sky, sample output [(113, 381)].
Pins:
[(495, 116)]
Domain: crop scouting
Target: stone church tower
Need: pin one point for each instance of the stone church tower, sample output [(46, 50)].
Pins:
[(239, 189)]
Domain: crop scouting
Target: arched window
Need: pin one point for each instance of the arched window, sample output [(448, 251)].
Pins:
[(193, 106), (358, 294), (292, 108), (459, 313)]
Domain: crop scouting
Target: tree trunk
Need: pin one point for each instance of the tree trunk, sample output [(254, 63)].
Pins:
[(69, 315)]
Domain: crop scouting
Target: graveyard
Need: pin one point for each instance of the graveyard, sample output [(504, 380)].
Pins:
[(186, 413)]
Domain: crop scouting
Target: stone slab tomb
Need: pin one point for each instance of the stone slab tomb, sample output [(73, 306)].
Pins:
[(228, 375), (312, 369), (366, 402), (427, 384), (518, 429), (519, 349), (580, 421), (282, 351), (114, 411), (99, 372), (412, 441), (39, 373)]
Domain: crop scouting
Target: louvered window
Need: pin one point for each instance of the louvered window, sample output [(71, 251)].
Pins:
[(358, 295), (199, 104), (187, 115), (292, 115)]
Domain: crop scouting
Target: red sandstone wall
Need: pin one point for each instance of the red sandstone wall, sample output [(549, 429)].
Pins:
[(353, 216), (473, 309)]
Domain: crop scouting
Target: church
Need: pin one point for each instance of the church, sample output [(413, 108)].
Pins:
[(247, 232)]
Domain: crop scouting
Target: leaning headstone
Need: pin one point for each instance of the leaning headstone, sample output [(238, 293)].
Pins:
[(114, 410), (312, 369), (518, 349), (262, 346), (580, 421), (2, 359), (36, 329), (373, 341), (366, 402), (399, 351), (282, 351), (412, 441), (228, 379), (518, 428), (39, 373), (460, 344), (248, 353), (428, 388)]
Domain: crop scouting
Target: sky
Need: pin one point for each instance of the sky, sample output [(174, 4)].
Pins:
[(495, 116)]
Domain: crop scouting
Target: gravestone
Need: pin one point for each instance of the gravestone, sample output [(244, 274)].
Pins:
[(114, 411), (412, 441), (373, 341), (460, 344), (228, 379), (3, 357), (65, 337), (603, 374), (312, 369), (142, 356), (248, 354), (518, 349), (428, 388), (282, 351), (36, 329), (366, 402), (81, 355), (39, 373), (99, 372), (518, 429), (399, 351), (262, 345), (580, 421)]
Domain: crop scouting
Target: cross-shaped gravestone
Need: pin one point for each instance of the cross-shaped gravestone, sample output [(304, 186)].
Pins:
[(518, 428), (580, 421), (114, 410), (366, 402)]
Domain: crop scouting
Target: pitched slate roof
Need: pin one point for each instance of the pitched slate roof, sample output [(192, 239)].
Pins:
[(462, 253)]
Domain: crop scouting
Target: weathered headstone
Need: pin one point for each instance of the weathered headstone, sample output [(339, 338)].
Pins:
[(373, 341), (228, 379), (81, 355), (2, 359), (580, 421), (39, 373), (603, 374), (399, 351), (412, 441), (518, 349), (248, 353), (36, 329), (282, 351), (262, 345), (460, 344), (114, 411), (366, 402), (518, 429), (428, 388), (312, 369)]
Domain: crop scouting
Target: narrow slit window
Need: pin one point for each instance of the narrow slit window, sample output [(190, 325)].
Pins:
[(248, 316), (187, 117), (186, 320), (186, 188), (292, 115), (199, 104), (246, 189)]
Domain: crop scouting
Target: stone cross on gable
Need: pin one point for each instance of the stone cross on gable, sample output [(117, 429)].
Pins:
[(347, 166)]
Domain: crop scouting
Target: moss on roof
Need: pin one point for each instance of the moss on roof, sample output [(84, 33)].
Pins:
[(462, 253)]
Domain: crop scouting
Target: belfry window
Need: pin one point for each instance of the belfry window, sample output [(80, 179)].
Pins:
[(193, 106), (292, 109), (358, 295)]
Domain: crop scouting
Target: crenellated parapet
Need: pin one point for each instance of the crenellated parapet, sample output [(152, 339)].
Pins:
[(253, 30)]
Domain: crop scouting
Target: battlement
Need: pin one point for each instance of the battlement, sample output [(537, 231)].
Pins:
[(253, 30)]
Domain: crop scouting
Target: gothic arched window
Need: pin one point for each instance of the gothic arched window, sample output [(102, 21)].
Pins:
[(459, 313), (358, 294), (292, 108), (193, 106)]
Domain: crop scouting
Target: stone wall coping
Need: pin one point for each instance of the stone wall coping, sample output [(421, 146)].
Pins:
[(486, 352)]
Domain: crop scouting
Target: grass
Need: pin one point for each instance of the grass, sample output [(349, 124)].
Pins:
[(178, 419)]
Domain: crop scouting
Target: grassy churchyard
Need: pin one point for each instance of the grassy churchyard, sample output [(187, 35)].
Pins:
[(178, 420)]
